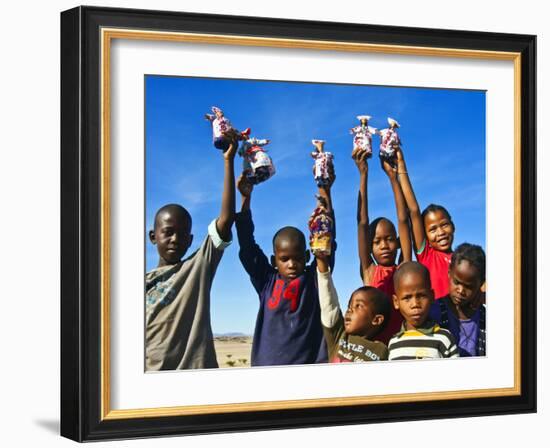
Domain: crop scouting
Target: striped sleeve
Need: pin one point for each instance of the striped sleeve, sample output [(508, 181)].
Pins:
[(451, 349)]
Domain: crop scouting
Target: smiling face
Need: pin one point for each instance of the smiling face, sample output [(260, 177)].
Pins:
[(384, 243), (464, 283), (171, 235), (439, 230), (413, 298)]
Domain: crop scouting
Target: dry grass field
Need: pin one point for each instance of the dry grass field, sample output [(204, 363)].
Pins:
[(233, 351)]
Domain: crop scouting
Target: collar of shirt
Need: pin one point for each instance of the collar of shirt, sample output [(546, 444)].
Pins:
[(429, 327)]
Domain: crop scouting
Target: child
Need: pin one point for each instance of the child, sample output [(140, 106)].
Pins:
[(223, 133), (433, 233), (178, 333), (378, 242), (420, 337), (350, 338), (462, 311), (288, 327)]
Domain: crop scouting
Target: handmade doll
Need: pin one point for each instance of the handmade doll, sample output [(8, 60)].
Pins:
[(389, 141), (363, 135), (222, 131), (323, 161), (321, 227), (257, 165)]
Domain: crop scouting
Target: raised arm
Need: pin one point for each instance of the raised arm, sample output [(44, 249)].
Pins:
[(328, 298), (418, 232), (325, 193), (251, 255), (227, 213), (401, 208), (245, 188), (363, 237)]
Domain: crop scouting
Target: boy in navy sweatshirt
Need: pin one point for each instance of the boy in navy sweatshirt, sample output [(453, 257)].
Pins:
[(288, 327)]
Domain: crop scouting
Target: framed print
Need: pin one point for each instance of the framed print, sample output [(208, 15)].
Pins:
[(168, 329)]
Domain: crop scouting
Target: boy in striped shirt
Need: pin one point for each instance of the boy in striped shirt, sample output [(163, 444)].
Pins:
[(420, 337)]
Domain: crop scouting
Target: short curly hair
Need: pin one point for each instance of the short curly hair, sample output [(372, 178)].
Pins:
[(473, 254)]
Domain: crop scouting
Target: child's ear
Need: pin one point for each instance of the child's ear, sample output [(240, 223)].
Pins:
[(272, 259), (432, 296), (307, 255), (152, 237), (378, 319), (395, 302)]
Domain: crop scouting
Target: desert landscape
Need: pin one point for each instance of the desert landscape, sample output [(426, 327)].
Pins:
[(233, 350)]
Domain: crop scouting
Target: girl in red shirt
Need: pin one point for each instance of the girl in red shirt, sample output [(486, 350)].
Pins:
[(433, 233), (378, 241)]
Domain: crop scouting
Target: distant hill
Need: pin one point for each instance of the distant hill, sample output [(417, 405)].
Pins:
[(230, 335)]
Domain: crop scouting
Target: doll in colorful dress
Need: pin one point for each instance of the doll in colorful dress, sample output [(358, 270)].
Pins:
[(257, 165), (321, 227), (389, 141), (223, 132), (323, 162), (363, 135)]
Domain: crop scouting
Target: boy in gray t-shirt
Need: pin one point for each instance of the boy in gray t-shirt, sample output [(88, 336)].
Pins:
[(178, 333)]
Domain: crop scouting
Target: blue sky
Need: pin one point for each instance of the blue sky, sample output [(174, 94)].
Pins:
[(443, 135)]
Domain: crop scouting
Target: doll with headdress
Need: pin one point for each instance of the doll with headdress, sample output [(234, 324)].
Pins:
[(223, 132), (323, 163), (389, 141), (257, 165), (363, 135), (321, 225)]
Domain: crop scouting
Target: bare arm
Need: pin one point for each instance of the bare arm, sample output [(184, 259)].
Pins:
[(363, 237), (418, 231), (227, 213), (324, 191), (402, 215)]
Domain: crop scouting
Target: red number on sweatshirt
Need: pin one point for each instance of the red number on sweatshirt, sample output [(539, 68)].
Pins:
[(289, 293)]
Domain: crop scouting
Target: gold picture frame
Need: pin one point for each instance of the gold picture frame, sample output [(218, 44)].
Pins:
[(86, 171)]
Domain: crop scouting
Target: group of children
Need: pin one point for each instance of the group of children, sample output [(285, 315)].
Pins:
[(430, 308)]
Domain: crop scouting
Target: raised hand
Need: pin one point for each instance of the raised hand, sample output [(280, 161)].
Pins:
[(401, 167), (331, 176), (323, 261), (229, 155), (391, 171), (244, 186), (359, 156)]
